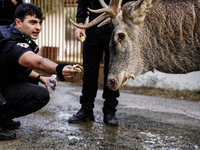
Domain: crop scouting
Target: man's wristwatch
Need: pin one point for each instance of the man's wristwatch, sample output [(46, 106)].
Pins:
[(38, 77)]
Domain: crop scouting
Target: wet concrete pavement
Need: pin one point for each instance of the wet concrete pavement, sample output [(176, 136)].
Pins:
[(144, 123)]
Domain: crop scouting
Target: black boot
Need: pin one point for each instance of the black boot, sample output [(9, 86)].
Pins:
[(110, 120), (7, 135), (7, 123), (10, 124), (81, 116)]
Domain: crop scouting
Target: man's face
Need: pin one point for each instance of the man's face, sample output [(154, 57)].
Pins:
[(31, 26)]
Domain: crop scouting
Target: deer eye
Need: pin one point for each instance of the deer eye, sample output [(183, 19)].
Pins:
[(121, 36)]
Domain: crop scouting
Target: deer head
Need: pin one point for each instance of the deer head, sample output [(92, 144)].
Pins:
[(124, 43)]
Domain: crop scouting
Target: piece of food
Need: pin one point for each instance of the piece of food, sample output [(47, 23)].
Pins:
[(78, 68), (82, 38)]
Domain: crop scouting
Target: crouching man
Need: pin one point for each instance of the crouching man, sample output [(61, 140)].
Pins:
[(18, 58)]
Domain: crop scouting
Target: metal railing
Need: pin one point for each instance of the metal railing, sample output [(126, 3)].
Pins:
[(57, 40)]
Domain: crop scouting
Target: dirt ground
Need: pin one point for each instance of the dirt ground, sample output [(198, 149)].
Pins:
[(157, 92), (167, 93), (139, 128)]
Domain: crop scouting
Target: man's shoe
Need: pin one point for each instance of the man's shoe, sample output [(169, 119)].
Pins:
[(10, 124), (81, 116), (7, 135), (110, 120)]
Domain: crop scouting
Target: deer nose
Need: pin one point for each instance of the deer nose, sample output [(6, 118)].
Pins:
[(121, 36)]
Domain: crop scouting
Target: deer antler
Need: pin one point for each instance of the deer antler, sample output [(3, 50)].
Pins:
[(111, 11)]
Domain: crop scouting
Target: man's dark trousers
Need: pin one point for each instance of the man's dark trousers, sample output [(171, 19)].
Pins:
[(96, 43), (23, 98)]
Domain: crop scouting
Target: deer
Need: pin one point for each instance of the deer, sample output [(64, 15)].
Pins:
[(150, 35)]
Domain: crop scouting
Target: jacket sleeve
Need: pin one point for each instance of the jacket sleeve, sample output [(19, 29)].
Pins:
[(82, 11)]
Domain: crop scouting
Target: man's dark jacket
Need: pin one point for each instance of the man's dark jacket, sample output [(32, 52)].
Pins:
[(83, 13)]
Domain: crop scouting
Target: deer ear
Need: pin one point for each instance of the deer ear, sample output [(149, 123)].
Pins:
[(141, 8)]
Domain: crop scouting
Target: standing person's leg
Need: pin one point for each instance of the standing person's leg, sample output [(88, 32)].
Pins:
[(110, 96), (92, 55)]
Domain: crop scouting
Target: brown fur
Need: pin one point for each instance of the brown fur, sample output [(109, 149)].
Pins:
[(174, 45), (166, 39)]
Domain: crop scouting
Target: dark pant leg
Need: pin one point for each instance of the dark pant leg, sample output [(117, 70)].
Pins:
[(92, 55), (24, 98), (110, 96)]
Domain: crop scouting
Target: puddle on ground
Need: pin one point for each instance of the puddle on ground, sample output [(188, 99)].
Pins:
[(152, 140), (43, 112), (125, 135), (73, 137), (49, 129)]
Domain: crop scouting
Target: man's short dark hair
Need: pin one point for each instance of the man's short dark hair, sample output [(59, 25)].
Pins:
[(26, 9)]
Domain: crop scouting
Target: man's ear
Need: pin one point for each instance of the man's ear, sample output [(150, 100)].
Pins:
[(18, 22)]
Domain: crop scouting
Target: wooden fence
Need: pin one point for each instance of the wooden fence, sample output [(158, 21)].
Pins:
[(57, 40)]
